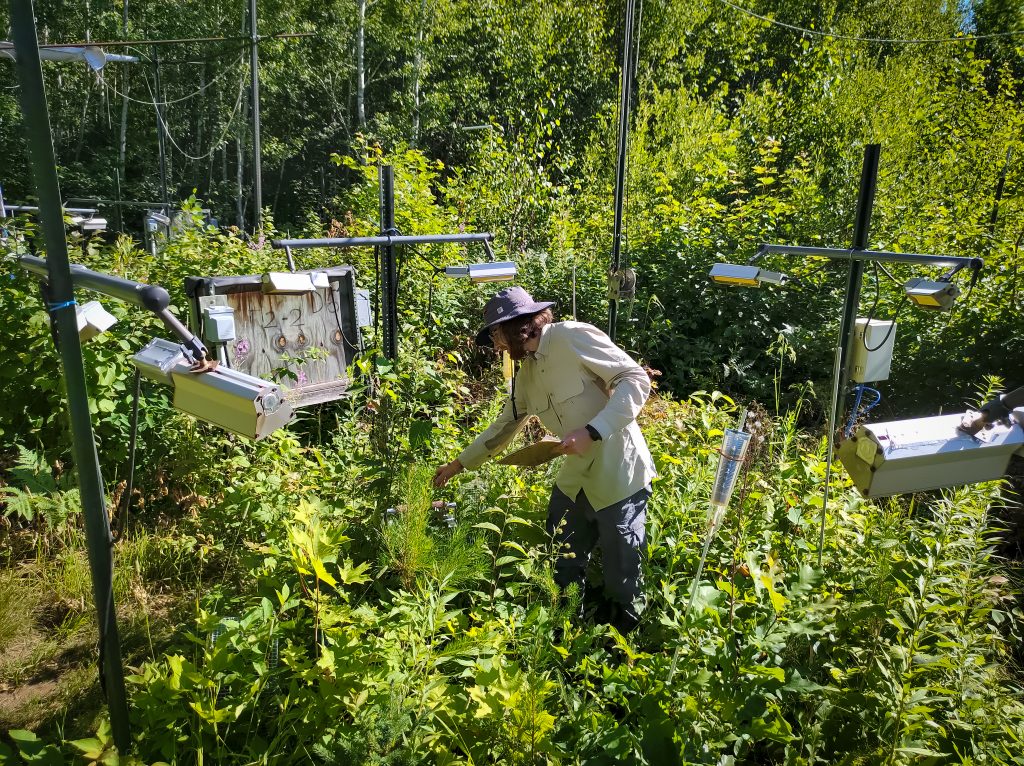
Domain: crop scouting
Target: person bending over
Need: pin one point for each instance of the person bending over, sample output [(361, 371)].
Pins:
[(588, 392)]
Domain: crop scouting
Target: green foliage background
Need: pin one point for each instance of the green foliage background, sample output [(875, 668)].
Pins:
[(307, 623), (744, 132)]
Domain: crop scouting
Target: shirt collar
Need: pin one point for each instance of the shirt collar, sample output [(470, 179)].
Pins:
[(544, 341)]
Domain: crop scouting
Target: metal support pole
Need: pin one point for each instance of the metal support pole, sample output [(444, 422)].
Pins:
[(861, 229), (151, 297), (620, 167), (161, 141), (844, 344), (87, 465), (254, 71), (389, 269), (879, 256)]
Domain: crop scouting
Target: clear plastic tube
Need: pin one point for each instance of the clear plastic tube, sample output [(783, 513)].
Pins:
[(734, 448)]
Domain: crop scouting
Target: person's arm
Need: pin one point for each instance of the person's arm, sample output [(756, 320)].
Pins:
[(497, 436), (626, 380), (493, 440)]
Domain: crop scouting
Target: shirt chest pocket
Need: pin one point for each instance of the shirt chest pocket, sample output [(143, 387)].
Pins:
[(558, 399), (565, 388)]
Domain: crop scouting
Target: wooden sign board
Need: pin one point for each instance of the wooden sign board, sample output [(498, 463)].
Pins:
[(303, 342)]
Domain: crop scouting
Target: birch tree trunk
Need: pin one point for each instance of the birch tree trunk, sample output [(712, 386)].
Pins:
[(122, 144), (361, 66), (417, 72)]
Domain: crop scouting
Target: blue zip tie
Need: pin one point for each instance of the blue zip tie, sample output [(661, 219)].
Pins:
[(58, 306)]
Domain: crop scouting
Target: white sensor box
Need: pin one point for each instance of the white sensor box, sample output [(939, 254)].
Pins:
[(872, 350)]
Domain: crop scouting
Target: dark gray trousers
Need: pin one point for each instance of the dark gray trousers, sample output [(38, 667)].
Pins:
[(576, 528)]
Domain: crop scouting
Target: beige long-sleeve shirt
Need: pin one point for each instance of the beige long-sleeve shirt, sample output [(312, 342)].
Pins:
[(578, 376)]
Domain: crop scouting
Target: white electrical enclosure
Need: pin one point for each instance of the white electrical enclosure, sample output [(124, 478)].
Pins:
[(872, 350), (928, 453), (218, 324)]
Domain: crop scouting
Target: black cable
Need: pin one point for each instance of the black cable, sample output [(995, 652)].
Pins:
[(871, 312), (106, 619), (337, 319), (417, 252), (888, 273), (892, 326), (878, 295)]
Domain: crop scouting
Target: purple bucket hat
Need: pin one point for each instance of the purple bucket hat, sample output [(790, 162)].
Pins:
[(508, 304)]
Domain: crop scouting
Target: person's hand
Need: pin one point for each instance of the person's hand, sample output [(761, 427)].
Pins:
[(446, 472), (576, 443)]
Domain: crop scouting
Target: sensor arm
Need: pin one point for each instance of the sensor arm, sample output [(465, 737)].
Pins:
[(151, 297)]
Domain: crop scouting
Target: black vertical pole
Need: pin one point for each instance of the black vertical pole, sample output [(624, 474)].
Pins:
[(389, 270), (117, 198), (851, 300), (254, 71), (161, 142), (87, 466), (620, 166), (861, 229)]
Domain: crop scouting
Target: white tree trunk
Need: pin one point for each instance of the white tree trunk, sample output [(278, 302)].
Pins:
[(361, 66)]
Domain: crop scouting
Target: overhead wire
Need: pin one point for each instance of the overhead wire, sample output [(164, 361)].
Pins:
[(855, 38), (215, 144), (198, 91)]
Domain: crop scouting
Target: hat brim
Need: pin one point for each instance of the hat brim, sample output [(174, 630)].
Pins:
[(483, 337)]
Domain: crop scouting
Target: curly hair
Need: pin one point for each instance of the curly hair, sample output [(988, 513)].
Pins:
[(515, 332)]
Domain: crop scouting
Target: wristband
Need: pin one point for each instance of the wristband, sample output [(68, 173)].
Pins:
[(594, 433)]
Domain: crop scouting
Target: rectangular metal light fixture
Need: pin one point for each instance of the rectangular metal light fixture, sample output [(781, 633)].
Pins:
[(744, 276), (931, 295), (89, 224), (478, 273), (927, 453), (232, 400)]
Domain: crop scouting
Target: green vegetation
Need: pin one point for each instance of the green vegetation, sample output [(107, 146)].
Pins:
[(273, 610)]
